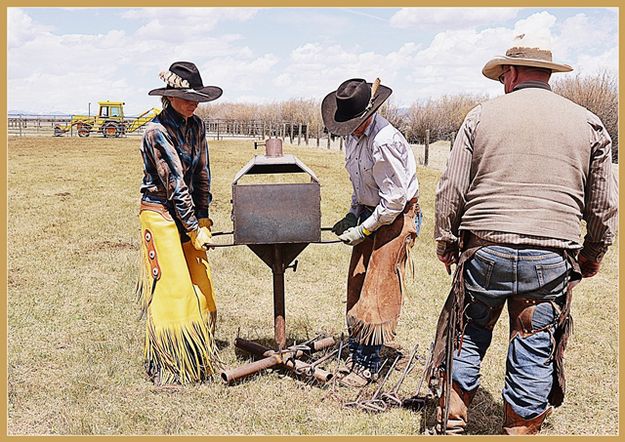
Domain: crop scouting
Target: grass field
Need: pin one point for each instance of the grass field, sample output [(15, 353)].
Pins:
[(75, 340)]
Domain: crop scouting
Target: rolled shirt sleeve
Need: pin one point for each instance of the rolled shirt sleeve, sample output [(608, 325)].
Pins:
[(390, 172)]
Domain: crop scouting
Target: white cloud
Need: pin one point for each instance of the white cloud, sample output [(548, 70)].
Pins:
[(537, 30), (49, 70), (237, 74), (580, 33), (450, 64), (21, 28), (593, 64), (65, 71), (454, 17), (178, 23)]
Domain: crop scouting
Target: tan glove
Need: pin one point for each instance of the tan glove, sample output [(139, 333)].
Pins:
[(354, 235), (206, 222), (200, 238)]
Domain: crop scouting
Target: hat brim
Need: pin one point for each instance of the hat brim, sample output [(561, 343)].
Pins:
[(342, 128), (493, 68), (202, 95)]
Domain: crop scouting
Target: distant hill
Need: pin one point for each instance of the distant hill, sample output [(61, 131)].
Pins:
[(15, 113)]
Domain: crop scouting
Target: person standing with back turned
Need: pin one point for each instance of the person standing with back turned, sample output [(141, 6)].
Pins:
[(524, 170)]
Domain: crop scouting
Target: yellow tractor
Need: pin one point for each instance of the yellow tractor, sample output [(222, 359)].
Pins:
[(109, 121)]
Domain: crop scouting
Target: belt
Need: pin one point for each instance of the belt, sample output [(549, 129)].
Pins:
[(155, 207), (470, 240), (409, 204)]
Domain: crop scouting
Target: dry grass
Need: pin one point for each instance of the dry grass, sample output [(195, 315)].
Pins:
[(75, 343)]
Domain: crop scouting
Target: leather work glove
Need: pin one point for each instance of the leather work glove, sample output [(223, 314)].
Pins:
[(206, 222), (341, 226), (589, 267), (354, 235), (200, 238)]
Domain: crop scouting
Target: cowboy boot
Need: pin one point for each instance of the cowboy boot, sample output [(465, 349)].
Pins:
[(459, 402), (516, 425)]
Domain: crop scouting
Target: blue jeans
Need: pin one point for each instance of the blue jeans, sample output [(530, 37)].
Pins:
[(367, 356), (496, 274)]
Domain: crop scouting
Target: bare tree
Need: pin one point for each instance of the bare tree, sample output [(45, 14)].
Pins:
[(599, 94)]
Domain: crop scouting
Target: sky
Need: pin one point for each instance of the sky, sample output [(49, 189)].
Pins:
[(62, 59)]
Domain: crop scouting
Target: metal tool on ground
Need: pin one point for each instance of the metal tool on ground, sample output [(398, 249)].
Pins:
[(332, 390), (287, 358), (358, 403), (417, 402), (392, 397), (376, 403), (311, 367)]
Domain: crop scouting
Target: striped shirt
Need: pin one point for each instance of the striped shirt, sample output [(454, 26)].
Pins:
[(383, 172), (176, 167), (601, 195)]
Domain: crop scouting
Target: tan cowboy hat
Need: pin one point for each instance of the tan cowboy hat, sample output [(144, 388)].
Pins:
[(183, 80), (522, 55), (344, 109)]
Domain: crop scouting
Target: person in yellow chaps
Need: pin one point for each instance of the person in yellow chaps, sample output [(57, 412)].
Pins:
[(176, 291)]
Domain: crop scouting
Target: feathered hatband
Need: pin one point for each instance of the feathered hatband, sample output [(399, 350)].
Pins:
[(173, 80)]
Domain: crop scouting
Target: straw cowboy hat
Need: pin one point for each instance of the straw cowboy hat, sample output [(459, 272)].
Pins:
[(523, 55), (184, 81), (344, 109)]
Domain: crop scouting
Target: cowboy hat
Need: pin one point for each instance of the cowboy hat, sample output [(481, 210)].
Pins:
[(344, 109), (523, 55), (184, 81)]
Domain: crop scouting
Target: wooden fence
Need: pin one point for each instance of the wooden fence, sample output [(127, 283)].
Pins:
[(291, 131)]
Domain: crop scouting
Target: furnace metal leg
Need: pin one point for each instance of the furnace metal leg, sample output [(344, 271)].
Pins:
[(278, 309)]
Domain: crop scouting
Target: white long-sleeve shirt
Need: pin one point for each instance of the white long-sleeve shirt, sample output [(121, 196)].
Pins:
[(383, 172)]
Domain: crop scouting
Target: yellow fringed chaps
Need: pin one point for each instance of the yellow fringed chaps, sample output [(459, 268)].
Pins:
[(179, 306)]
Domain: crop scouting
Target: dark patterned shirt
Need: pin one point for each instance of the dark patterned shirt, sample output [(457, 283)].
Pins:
[(176, 167)]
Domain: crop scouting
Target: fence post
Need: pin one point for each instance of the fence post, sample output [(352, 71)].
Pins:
[(217, 123), (341, 144), (291, 132), (318, 135), (427, 147), (299, 134), (328, 139), (306, 134), (264, 132)]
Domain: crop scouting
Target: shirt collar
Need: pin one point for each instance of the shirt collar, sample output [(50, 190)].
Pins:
[(532, 84), (368, 130), (171, 114)]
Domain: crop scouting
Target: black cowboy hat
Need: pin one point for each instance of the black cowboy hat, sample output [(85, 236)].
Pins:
[(184, 81), (344, 109)]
